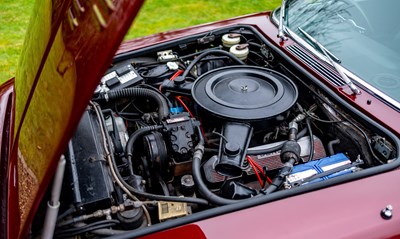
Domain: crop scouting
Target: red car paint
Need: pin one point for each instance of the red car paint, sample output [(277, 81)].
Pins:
[(350, 210), (7, 101)]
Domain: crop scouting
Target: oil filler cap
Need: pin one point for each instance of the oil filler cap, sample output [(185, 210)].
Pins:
[(232, 149)]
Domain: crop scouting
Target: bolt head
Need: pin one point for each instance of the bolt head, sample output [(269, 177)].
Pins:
[(387, 212)]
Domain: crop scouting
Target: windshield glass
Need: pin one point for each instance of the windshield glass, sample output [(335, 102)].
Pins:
[(363, 34)]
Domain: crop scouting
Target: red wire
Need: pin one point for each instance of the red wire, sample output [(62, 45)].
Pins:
[(259, 168), (262, 172), (176, 75), (255, 170), (184, 106)]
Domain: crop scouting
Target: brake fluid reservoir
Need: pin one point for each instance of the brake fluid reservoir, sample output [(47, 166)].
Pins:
[(230, 39), (240, 51)]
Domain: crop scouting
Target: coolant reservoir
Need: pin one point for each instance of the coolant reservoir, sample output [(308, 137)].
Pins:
[(241, 51), (230, 39)]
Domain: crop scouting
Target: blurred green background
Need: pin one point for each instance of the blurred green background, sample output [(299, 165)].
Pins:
[(155, 16)]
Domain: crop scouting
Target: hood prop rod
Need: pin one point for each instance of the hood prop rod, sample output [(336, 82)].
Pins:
[(54, 203)]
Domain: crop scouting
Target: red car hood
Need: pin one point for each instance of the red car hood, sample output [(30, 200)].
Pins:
[(68, 47)]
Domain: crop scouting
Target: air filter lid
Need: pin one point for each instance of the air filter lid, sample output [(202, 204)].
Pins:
[(244, 93)]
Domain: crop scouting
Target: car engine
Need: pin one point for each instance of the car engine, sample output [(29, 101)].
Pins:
[(206, 121)]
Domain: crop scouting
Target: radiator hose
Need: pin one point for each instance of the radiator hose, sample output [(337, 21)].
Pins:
[(163, 109)]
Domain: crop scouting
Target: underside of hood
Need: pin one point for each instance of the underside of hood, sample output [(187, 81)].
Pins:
[(68, 47)]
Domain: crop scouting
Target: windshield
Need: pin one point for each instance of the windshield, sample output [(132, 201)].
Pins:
[(363, 34)]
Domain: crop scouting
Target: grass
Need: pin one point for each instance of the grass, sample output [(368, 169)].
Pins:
[(14, 18), (162, 15), (155, 16)]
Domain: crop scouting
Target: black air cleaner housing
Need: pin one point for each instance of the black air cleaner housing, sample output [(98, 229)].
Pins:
[(245, 93)]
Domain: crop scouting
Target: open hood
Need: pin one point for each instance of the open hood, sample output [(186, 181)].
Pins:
[(68, 47)]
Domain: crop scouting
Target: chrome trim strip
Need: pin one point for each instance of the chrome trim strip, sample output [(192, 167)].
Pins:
[(306, 58), (365, 84)]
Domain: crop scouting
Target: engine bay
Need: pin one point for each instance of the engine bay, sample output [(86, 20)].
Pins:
[(206, 121)]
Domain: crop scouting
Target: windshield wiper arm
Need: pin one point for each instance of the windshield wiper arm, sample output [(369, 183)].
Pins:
[(281, 33), (346, 79)]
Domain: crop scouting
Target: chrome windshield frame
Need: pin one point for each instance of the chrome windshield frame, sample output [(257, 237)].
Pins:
[(365, 85), (281, 32)]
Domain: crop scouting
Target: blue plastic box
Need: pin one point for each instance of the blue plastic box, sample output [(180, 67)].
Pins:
[(303, 171)]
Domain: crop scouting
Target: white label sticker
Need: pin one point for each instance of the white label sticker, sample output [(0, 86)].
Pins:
[(335, 165), (300, 176)]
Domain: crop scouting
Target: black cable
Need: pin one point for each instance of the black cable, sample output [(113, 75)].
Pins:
[(87, 228), (311, 156), (66, 213), (254, 44), (258, 55), (324, 121), (220, 135), (204, 54), (200, 52), (214, 58)]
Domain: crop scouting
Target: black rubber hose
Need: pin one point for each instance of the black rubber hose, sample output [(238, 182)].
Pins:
[(251, 151), (330, 146), (163, 109), (280, 178), (216, 52), (170, 105), (135, 135), (204, 191), (265, 151), (129, 154), (301, 134), (201, 186), (311, 139)]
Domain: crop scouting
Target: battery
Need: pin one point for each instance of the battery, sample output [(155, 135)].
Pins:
[(303, 171)]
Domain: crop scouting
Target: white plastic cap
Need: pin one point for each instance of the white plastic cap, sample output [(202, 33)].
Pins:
[(230, 39), (241, 51)]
